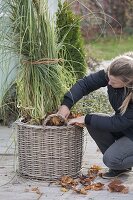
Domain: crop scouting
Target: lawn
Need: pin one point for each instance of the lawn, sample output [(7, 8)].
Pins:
[(108, 48)]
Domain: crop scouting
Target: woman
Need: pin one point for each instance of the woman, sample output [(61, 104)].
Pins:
[(113, 134)]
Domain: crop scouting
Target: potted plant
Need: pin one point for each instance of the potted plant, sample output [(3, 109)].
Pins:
[(44, 152)]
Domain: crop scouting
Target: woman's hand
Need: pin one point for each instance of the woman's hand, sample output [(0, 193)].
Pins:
[(79, 121), (64, 111)]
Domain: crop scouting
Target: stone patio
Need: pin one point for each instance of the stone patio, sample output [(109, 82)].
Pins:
[(14, 187)]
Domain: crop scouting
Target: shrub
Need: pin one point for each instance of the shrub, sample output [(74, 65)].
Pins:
[(96, 102), (68, 25)]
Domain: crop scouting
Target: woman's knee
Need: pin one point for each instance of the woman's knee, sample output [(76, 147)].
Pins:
[(111, 161)]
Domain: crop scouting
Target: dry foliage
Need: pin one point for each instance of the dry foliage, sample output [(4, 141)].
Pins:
[(75, 115), (86, 182), (68, 182), (80, 191), (64, 189), (94, 169), (95, 186), (116, 186), (58, 120), (36, 190)]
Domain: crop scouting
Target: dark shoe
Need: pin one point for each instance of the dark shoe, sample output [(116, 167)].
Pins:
[(115, 173)]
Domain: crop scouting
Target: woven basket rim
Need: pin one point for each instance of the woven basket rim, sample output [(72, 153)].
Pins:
[(20, 123)]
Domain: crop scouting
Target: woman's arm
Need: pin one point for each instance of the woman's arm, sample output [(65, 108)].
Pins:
[(84, 86), (113, 123)]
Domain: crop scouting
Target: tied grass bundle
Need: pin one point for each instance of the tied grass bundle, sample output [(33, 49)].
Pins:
[(42, 79)]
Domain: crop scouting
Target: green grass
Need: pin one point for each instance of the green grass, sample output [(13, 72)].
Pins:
[(108, 48)]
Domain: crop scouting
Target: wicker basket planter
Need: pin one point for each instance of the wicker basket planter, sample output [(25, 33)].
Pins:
[(49, 152)]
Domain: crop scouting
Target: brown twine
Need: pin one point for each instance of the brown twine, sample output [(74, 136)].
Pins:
[(44, 61)]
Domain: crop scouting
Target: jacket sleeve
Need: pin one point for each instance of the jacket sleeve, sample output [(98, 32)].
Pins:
[(84, 86), (113, 123)]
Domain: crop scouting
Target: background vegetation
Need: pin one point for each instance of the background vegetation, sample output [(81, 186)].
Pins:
[(108, 47), (95, 102), (68, 28)]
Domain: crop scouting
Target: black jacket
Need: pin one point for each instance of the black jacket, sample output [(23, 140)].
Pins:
[(115, 123)]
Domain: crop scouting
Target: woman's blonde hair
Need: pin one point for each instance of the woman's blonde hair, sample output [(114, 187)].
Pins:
[(122, 67)]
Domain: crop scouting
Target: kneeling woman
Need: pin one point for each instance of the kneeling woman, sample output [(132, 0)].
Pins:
[(113, 134)]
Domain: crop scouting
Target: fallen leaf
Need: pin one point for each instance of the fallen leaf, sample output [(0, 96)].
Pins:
[(68, 182), (83, 191), (38, 192), (116, 186), (85, 181), (80, 191), (87, 187), (82, 177), (64, 189), (116, 182), (125, 190), (34, 189), (94, 169), (97, 186)]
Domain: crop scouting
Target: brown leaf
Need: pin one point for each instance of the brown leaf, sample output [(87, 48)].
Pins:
[(56, 121), (38, 192), (125, 190), (92, 176), (97, 186), (67, 182), (85, 180), (80, 191), (75, 115), (82, 177), (34, 189), (94, 169), (64, 189), (83, 191), (89, 177), (115, 182), (87, 187), (116, 186), (67, 179)]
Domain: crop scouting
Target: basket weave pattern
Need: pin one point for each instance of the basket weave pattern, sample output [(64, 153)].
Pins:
[(49, 152)]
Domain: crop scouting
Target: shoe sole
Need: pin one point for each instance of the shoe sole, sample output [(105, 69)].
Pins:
[(105, 177)]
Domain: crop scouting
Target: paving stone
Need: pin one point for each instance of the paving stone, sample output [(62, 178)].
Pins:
[(14, 187)]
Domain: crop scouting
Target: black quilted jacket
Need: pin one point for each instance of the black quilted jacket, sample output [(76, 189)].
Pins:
[(115, 123)]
